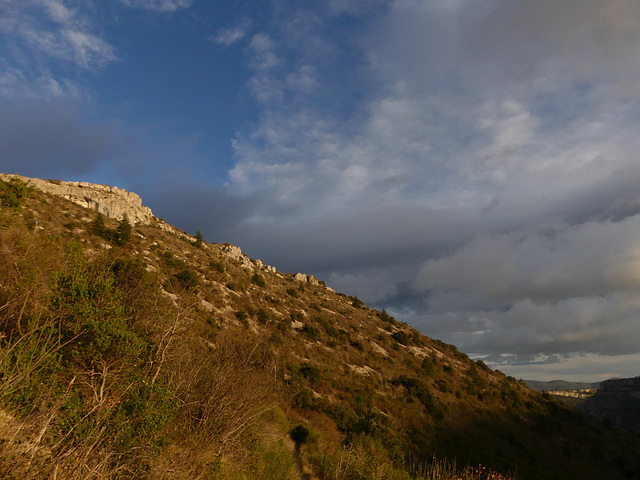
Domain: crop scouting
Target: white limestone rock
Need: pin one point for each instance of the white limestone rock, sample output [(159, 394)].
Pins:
[(112, 202)]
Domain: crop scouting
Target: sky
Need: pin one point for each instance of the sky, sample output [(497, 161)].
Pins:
[(471, 167)]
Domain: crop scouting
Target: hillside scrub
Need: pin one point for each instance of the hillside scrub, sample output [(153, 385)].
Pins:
[(137, 359)]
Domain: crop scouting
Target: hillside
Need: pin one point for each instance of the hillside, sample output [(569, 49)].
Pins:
[(139, 351)]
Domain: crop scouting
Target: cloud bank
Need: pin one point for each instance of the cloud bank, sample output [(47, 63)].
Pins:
[(491, 161)]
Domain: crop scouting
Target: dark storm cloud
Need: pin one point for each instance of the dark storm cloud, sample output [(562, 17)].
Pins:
[(587, 39), (51, 138), (382, 239)]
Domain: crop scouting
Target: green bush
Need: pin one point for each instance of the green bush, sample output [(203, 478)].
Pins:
[(311, 331), (187, 279), (427, 366), (356, 302), (258, 280), (217, 266), (401, 337), (13, 193), (124, 231), (95, 320), (310, 371), (385, 317), (304, 399), (292, 292)]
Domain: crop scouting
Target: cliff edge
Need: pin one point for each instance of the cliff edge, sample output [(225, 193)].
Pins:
[(616, 402), (112, 202)]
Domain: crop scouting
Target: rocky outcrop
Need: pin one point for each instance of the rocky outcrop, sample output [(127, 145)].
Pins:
[(577, 393), (304, 278), (112, 202), (617, 402)]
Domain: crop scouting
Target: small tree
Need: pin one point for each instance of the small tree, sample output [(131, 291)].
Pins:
[(123, 231), (99, 228), (199, 240)]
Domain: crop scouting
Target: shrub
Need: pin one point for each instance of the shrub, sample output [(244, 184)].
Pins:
[(262, 316), (299, 434), (258, 280), (385, 317), (356, 302), (95, 319), (315, 307), (292, 292), (427, 366), (327, 326), (311, 331), (187, 279), (419, 389), (13, 193), (171, 261), (304, 399), (310, 371), (217, 266), (401, 337)]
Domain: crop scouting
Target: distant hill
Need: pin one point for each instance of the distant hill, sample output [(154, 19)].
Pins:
[(130, 349), (559, 385)]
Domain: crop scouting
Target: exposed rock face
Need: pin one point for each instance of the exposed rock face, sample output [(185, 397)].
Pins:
[(617, 402), (304, 278), (578, 393), (112, 202)]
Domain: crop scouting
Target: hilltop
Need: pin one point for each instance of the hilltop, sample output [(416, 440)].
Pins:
[(131, 349)]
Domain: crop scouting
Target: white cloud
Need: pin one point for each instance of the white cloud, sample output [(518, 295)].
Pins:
[(555, 263), (158, 5), (88, 50), (303, 80), (591, 367), (58, 11), (39, 33), (263, 55), (15, 83), (230, 36)]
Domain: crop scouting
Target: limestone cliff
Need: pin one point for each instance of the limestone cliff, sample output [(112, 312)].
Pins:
[(112, 202)]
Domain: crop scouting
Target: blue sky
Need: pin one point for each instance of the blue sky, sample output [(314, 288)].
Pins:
[(469, 166)]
